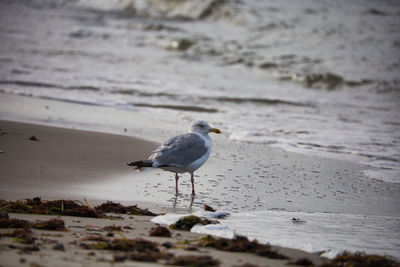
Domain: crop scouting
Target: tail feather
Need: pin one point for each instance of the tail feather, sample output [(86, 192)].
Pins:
[(141, 164)]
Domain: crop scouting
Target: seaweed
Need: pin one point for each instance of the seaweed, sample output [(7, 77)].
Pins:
[(112, 228), (59, 247), (3, 214), (98, 238), (208, 208), (112, 207), (301, 262), (30, 248), (193, 261), (52, 225), (128, 245), (54, 207), (186, 223), (168, 245), (70, 208), (159, 231), (142, 256), (241, 244), (14, 223), (33, 138), (23, 235), (358, 259)]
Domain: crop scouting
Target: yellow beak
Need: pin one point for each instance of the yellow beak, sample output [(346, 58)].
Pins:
[(215, 130)]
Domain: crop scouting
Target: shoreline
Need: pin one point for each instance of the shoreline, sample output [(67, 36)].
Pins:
[(77, 247), (100, 172), (238, 177)]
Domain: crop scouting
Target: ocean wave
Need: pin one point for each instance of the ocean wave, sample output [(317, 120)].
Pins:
[(172, 9), (177, 107), (325, 233)]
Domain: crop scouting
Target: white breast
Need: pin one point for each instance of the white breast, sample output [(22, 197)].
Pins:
[(198, 163)]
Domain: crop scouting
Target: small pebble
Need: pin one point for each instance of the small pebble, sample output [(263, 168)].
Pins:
[(4, 214), (59, 246), (33, 138), (168, 245)]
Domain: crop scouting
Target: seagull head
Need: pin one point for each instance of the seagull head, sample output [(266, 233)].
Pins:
[(202, 127)]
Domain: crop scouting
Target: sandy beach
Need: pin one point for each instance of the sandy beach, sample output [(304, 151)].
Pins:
[(237, 177), (241, 178), (133, 227), (305, 94), (61, 159)]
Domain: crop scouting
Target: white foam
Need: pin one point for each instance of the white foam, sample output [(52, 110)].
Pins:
[(214, 229), (212, 215), (171, 218), (313, 232), (332, 233), (168, 218)]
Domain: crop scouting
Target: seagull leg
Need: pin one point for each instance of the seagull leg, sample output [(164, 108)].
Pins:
[(176, 183), (192, 200), (192, 180)]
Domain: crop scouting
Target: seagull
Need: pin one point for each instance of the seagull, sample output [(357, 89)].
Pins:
[(183, 153)]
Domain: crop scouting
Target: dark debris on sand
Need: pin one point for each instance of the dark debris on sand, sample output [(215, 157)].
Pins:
[(14, 223), (186, 223), (23, 235), (302, 262), (128, 245), (159, 231), (112, 207), (54, 207), (52, 225), (33, 138), (208, 208), (142, 256), (241, 244), (69, 208), (193, 261), (113, 228), (246, 265), (359, 259), (131, 249)]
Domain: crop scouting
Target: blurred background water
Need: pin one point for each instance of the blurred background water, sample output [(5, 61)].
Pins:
[(319, 76)]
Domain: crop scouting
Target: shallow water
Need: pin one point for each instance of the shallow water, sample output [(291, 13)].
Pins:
[(325, 233), (317, 77), (332, 233)]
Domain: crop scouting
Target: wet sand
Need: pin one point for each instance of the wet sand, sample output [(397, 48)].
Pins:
[(61, 159), (237, 177), (59, 162), (67, 163)]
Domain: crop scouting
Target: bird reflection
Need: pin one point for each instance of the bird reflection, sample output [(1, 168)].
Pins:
[(182, 198)]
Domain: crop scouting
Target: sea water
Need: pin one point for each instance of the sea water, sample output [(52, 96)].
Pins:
[(315, 77), (327, 234)]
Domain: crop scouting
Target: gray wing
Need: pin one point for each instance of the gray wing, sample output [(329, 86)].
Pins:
[(180, 150)]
